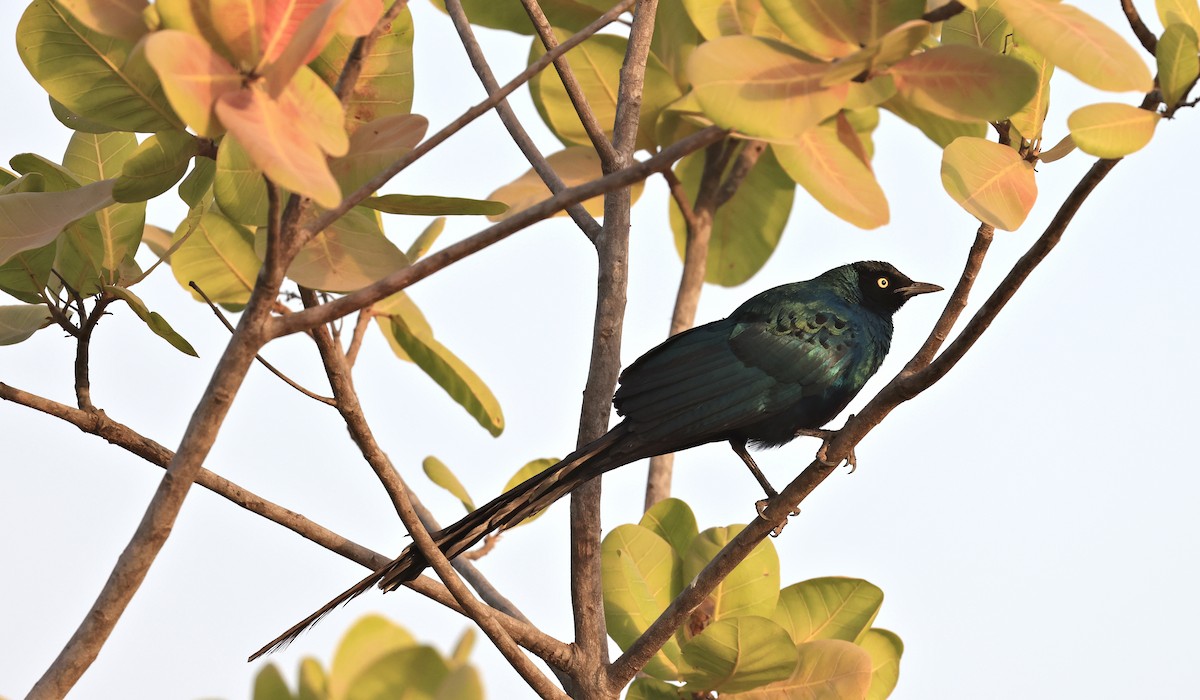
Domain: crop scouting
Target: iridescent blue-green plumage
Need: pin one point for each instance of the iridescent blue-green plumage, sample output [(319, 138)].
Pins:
[(785, 362)]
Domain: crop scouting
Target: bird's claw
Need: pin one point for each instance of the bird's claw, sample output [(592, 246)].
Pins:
[(827, 437), (762, 513)]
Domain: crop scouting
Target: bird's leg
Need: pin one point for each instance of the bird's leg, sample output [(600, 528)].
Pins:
[(827, 437), (739, 447)]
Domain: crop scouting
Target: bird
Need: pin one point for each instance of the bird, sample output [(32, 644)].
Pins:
[(783, 364)]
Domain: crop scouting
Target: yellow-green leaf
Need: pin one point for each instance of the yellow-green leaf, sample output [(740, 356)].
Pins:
[(738, 654), (1111, 129), (440, 474), (832, 607), (385, 84), (817, 27), (26, 274), (992, 182), (575, 166), (370, 639), (194, 76), (747, 228), (18, 322), (117, 229), (752, 588), (432, 205), (375, 146), (527, 472), (30, 220), (835, 176), (672, 520), (714, 18), (101, 78), (156, 323), (218, 256), (269, 685), (238, 185), (1029, 119), (349, 255), (965, 82), (940, 130), (827, 669), (157, 164), (1178, 65), (1179, 12), (641, 574), (119, 18), (885, 650), (425, 241), (985, 27), (1079, 44), (762, 88), (75, 122)]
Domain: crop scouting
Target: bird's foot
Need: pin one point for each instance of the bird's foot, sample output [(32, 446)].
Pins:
[(762, 513), (827, 437)]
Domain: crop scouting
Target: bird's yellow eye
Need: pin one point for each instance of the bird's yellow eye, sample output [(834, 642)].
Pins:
[(883, 282)]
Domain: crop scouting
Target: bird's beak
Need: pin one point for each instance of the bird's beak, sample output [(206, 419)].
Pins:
[(918, 288)]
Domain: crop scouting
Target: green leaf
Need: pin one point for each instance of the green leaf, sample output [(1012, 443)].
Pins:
[(940, 130), (672, 520), (26, 274), (1177, 62), (651, 689), (715, 18), (409, 331), (269, 685), (992, 182), (463, 647), (219, 257), (117, 229), (417, 672), (461, 683), (885, 649), (822, 162), (157, 164), (425, 241), (1179, 12), (832, 607), (985, 27), (1111, 129), (375, 146), (752, 588), (119, 18), (370, 639), (56, 177), (828, 669), (101, 78), (575, 166), (762, 88), (432, 205), (641, 574), (157, 323), (313, 683), (385, 85), (1079, 44), (75, 122), (238, 185), (675, 38), (738, 654), (965, 82), (822, 29), (572, 15), (596, 64), (30, 220), (350, 254), (1029, 119), (747, 228), (441, 475), (18, 322)]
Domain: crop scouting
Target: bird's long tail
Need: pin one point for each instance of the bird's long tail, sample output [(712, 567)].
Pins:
[(510, 508)]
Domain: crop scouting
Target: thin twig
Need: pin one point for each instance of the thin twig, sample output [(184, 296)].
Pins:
[(587, 116), (270, 367), (582, 219), (1140, 30), (348, 304), (361, 49), (83, 347), (360, 332)]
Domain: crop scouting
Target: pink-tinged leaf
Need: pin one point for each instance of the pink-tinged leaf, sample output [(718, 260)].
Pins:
[(1078, 43), (818, 27), (375, 146), (965, 83), (193, 75), (119, 18), (835, 175), (990, 181), (359, 16), (304, 43), (348, 255), (30, 220), (271, 134), (239, 24), (317, 112)]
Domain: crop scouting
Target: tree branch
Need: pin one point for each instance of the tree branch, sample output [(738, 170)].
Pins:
[(362, 49), (582, 219), (1140, 30)]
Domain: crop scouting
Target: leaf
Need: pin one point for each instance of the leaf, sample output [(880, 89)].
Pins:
[(1111, 129), (992, 182), (375, 146), (965, 82), (940, 130), (18, 322), (1029, 119), (116, 230), (575, 166), (26, 274), (985, 27), (1178, 65), (1179, 12), (30, 220), (672, 520), (385, 85), (56, 178), (75, 122), (198, 184), (119, 18), (269, 685), (714, 18), (219, 257), (1079, 44), (885, 649), (425, 241), (875, 19), (370, 639), (525, 473), (238, 185), (762, 88), (157, 164), (416, 672), (822, 29), (461, 683), (194, 77), (463, 647), (835, 176), (101, 78), (571, 15), (752, 588), (431, 205), (832, 607), (675, 37), (441, 475), (1060, 150), (596, 64), (644, 688), (641, 574), (827, 669), (411, 333), (350, 254), (313, 684), (747, 228), (157, 323), (271, 133), (738, 654)]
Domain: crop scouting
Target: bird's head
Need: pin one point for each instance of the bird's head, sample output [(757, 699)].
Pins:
[(884, 288)]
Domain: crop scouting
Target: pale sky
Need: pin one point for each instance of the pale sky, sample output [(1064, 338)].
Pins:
[(1030, 519)]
